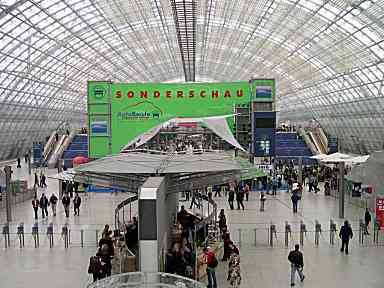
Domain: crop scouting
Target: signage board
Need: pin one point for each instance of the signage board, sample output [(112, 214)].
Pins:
[(380, 211), (119, 112)]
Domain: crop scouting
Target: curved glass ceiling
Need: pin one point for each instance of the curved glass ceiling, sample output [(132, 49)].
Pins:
[(327, 57)]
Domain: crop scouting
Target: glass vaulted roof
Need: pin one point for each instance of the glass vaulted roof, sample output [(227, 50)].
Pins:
[(327, 57)]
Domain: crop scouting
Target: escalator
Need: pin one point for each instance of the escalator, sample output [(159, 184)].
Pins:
[(60, 147), (49, 148)]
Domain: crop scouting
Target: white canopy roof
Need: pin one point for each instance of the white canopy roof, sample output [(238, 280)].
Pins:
[(218, 124), (320, 156)]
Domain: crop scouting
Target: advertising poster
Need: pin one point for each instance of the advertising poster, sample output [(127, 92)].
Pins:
[(119, 112), (264, 134), (380, 211)]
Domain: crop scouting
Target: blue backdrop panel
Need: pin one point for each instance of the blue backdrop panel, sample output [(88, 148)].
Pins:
[(264, 133)]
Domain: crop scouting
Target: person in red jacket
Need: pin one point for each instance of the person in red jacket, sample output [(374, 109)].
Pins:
[(211, 261), (35, 206)]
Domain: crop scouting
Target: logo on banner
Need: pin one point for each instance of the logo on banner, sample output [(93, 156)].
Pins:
[(144, 110), (99, 92)]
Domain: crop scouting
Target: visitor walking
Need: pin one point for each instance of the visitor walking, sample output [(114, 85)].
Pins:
[(44, 205), (296, 259), (231, 198), (262, 201), (211, 261), (35, 206), (76, 204), (66, 202), (37, 184), (345, 234), (246, 191), (240, 198), (367, 219), (295, 199), (53, 202)]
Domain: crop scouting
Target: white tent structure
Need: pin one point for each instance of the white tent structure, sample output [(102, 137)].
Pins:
[(320, 156), (218, 124)]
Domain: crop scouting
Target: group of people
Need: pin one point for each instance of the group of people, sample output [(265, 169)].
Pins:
[(100, 265), (180, 259), (40, 180), (44, 202)]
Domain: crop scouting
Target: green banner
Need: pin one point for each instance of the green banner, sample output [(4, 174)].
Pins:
[(119, 112)]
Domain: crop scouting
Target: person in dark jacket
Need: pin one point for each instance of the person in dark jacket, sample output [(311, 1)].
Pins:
[(222, 220), (53, 202), (231, 198), (66, 202), (296, 259), (35, 206), (295, 199), (367, 219), (345, 234), (37, 183), (240, 198), (44, 205), (76, 204), (106, 252)]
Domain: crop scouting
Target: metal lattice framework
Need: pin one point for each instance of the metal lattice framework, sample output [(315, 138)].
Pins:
[(327, 57)]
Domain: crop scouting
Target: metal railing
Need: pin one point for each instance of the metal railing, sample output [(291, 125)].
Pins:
[(120, 210), (284, 235), (52, 235), (146, 280)]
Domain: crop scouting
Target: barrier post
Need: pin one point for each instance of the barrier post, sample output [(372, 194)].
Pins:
[(97, 238), (82, 237), (50, 234), (35, 234), (272, 231), (317, 232), (239, 236), (303, 230), (130, 211), (20, 234), (64, 234), (6, 235), (287, 233), (255, 236), (332, 228), (123, 216), (361, 231), (376, 229)]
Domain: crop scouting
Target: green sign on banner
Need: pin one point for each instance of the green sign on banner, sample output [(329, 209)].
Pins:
[(119, 112)]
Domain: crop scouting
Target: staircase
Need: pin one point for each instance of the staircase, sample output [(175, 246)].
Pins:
[(78, 147), (290, 147)]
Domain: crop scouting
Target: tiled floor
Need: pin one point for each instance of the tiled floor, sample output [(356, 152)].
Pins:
[(325, 266), (262, 266)]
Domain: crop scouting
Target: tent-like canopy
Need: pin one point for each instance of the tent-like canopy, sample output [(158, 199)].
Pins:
[(217, 124), (129, 170)]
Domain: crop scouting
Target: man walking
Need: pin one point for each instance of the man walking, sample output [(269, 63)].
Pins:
[(66, 202), (35, 206), (247, 189), (367, 218), (240, 198), (345, 234), (76, 204), (53, 201), (262, 201), (295, 257), (295, 199), (211, 261), (231, 198), (44, 205)]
